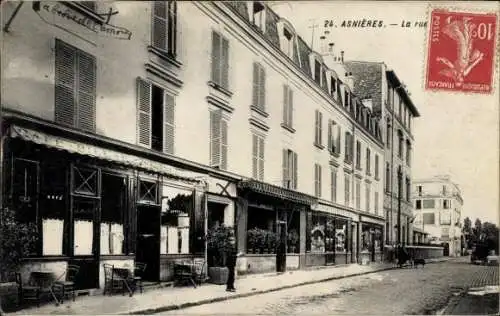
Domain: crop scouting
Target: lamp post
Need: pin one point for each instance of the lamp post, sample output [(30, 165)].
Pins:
[(400, 178)]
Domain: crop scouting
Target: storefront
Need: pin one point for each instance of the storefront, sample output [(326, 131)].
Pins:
[(271, 227), (94, 205), (371, 239)]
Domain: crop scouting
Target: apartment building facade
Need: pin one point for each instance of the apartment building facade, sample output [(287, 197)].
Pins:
[(143, 131), (396, 110), (438, 208)]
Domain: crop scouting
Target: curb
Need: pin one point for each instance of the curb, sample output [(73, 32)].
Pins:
[(243, 295)]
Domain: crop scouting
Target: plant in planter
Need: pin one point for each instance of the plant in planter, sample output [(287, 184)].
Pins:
[(293, 239), (253, 240), (271, 240), (261, 240), (217, 246)]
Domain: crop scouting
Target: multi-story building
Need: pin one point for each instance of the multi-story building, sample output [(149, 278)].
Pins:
[(130, 128), (397, 111), (438, 208)]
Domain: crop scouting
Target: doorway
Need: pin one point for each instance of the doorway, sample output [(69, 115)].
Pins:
[(148, 240), (281, 247)]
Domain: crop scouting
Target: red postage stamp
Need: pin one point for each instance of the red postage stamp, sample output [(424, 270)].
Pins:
[(461, 51)]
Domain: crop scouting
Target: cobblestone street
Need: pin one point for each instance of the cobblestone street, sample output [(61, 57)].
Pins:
[(402, 291)]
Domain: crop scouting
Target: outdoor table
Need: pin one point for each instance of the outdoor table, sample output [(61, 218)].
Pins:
[(184, 272), (125, 276), (45, 280)]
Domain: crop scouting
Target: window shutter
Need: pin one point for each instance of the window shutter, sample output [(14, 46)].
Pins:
[(320, 138), (337, 147), (319, 180), (144, 112), (330, 142), (316, 126), (65, 82), (172, 27), (160, 24), (255, 91), (223, 159), (255, 147), (295, 175), (216, 53), (290, 107), (169, 121), (286, 108), (261, 158), (86, 91), (262, 88), (215, 138), (225, 63), (285, 167)]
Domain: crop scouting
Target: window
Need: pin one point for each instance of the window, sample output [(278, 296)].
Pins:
[(165, 26), (290, 163), (445, 217), (333, 137), (333, 87), (367, 197), (376, 167), (317, 72), (218, 140), (388, 134), (317, 180), (428, 204), (357, 193), (176, 212), (346, 98), (333, 184), (287, 106), (408, 189), (358, 155), (259, 87), (318, 128), (419, 190), (113, 201), (75, 87), (387, 177), (408, 152), (25, 190), (156, 117), (258, 14), (445, 232), (347, 189), (376, 202), (446, 204), (288, 43), (428, 219), (348, 147), (418, 204), (368, 158), (220, 60), (258, 157)]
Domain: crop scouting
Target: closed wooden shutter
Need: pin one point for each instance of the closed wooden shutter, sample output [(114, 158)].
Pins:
[(316, 179), (295, 174), (215, 138), (223, 159), (86, 91), (337, 140), (290, 107), (320, 138), (316, 126), (172, 28), (285, 105), (255, 148), (319, 180), (216, 57), (169, 122), (144, 112), (255, 85), (333, 175), (65, 82), (261, 158), (225, 63), (330, 135), (285, 168), (262, 88), (160, 24)]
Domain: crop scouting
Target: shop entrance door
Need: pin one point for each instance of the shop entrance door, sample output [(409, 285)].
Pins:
[(148, 240), (330, 241), (281, 247)]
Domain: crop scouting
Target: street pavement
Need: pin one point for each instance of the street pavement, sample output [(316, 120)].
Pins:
[(425, 290)]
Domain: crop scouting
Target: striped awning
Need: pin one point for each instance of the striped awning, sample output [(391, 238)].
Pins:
[(93, 151), (276, 191)]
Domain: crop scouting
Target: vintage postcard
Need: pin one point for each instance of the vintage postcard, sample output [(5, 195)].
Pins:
[(249, 157)]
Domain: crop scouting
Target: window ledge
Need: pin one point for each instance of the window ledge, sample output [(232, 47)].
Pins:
[(335, 154), (259, 110), (220, 88), (369, 174), (377, 178), (288, 128), (347, 161), (319, 146), (165, 56), (359, 168)]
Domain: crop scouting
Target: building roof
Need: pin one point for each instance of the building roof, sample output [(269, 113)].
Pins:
[(367, 80), (393, 78)]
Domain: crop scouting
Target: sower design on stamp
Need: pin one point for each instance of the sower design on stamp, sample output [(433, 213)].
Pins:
[(461, 51)]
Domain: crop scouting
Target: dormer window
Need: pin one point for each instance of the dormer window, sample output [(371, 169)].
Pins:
[(258, 14), (317, 72), (286, 34), (333, 87), (288, 43)]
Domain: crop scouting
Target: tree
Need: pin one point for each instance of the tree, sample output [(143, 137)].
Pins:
[(467, 232), (477, 229), (490, 234)]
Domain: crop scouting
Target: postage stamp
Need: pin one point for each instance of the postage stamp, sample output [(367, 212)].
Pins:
[(461, 51)]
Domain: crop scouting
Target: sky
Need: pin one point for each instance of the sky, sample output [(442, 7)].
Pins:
[(457, 134)]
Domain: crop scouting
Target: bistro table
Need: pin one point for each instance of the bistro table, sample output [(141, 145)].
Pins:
[(124, 274), (45, 281), (183, 272)]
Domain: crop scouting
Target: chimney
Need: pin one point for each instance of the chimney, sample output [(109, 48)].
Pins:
[(342, 56)]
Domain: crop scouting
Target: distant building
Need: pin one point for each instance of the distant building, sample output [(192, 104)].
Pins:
[(438, 207)]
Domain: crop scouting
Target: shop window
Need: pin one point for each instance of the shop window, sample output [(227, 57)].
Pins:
[(84, 210), (176, 213), (321, 233), (293, 231), (85, 181), (215, 214), (113, 205), (341, 236), (261, 223), (25, 190)]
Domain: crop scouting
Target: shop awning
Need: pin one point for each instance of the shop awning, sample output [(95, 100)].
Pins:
[(90, 150), (276, 191)]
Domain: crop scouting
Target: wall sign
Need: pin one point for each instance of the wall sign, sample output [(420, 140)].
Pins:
[(62, 16)]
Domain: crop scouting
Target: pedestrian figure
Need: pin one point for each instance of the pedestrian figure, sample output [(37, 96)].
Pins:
[(231, 256)]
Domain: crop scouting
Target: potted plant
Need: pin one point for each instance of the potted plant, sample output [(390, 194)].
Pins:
[(293, 239), (271, 241), (253, 240), (217, 245), (262, 236)]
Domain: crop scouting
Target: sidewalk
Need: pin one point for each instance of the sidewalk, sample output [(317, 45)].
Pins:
[(171, 298)]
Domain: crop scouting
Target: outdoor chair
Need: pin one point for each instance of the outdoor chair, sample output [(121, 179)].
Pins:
[(139, 269), (67, 286), (199, 274), (38, 283), (114, 281)]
